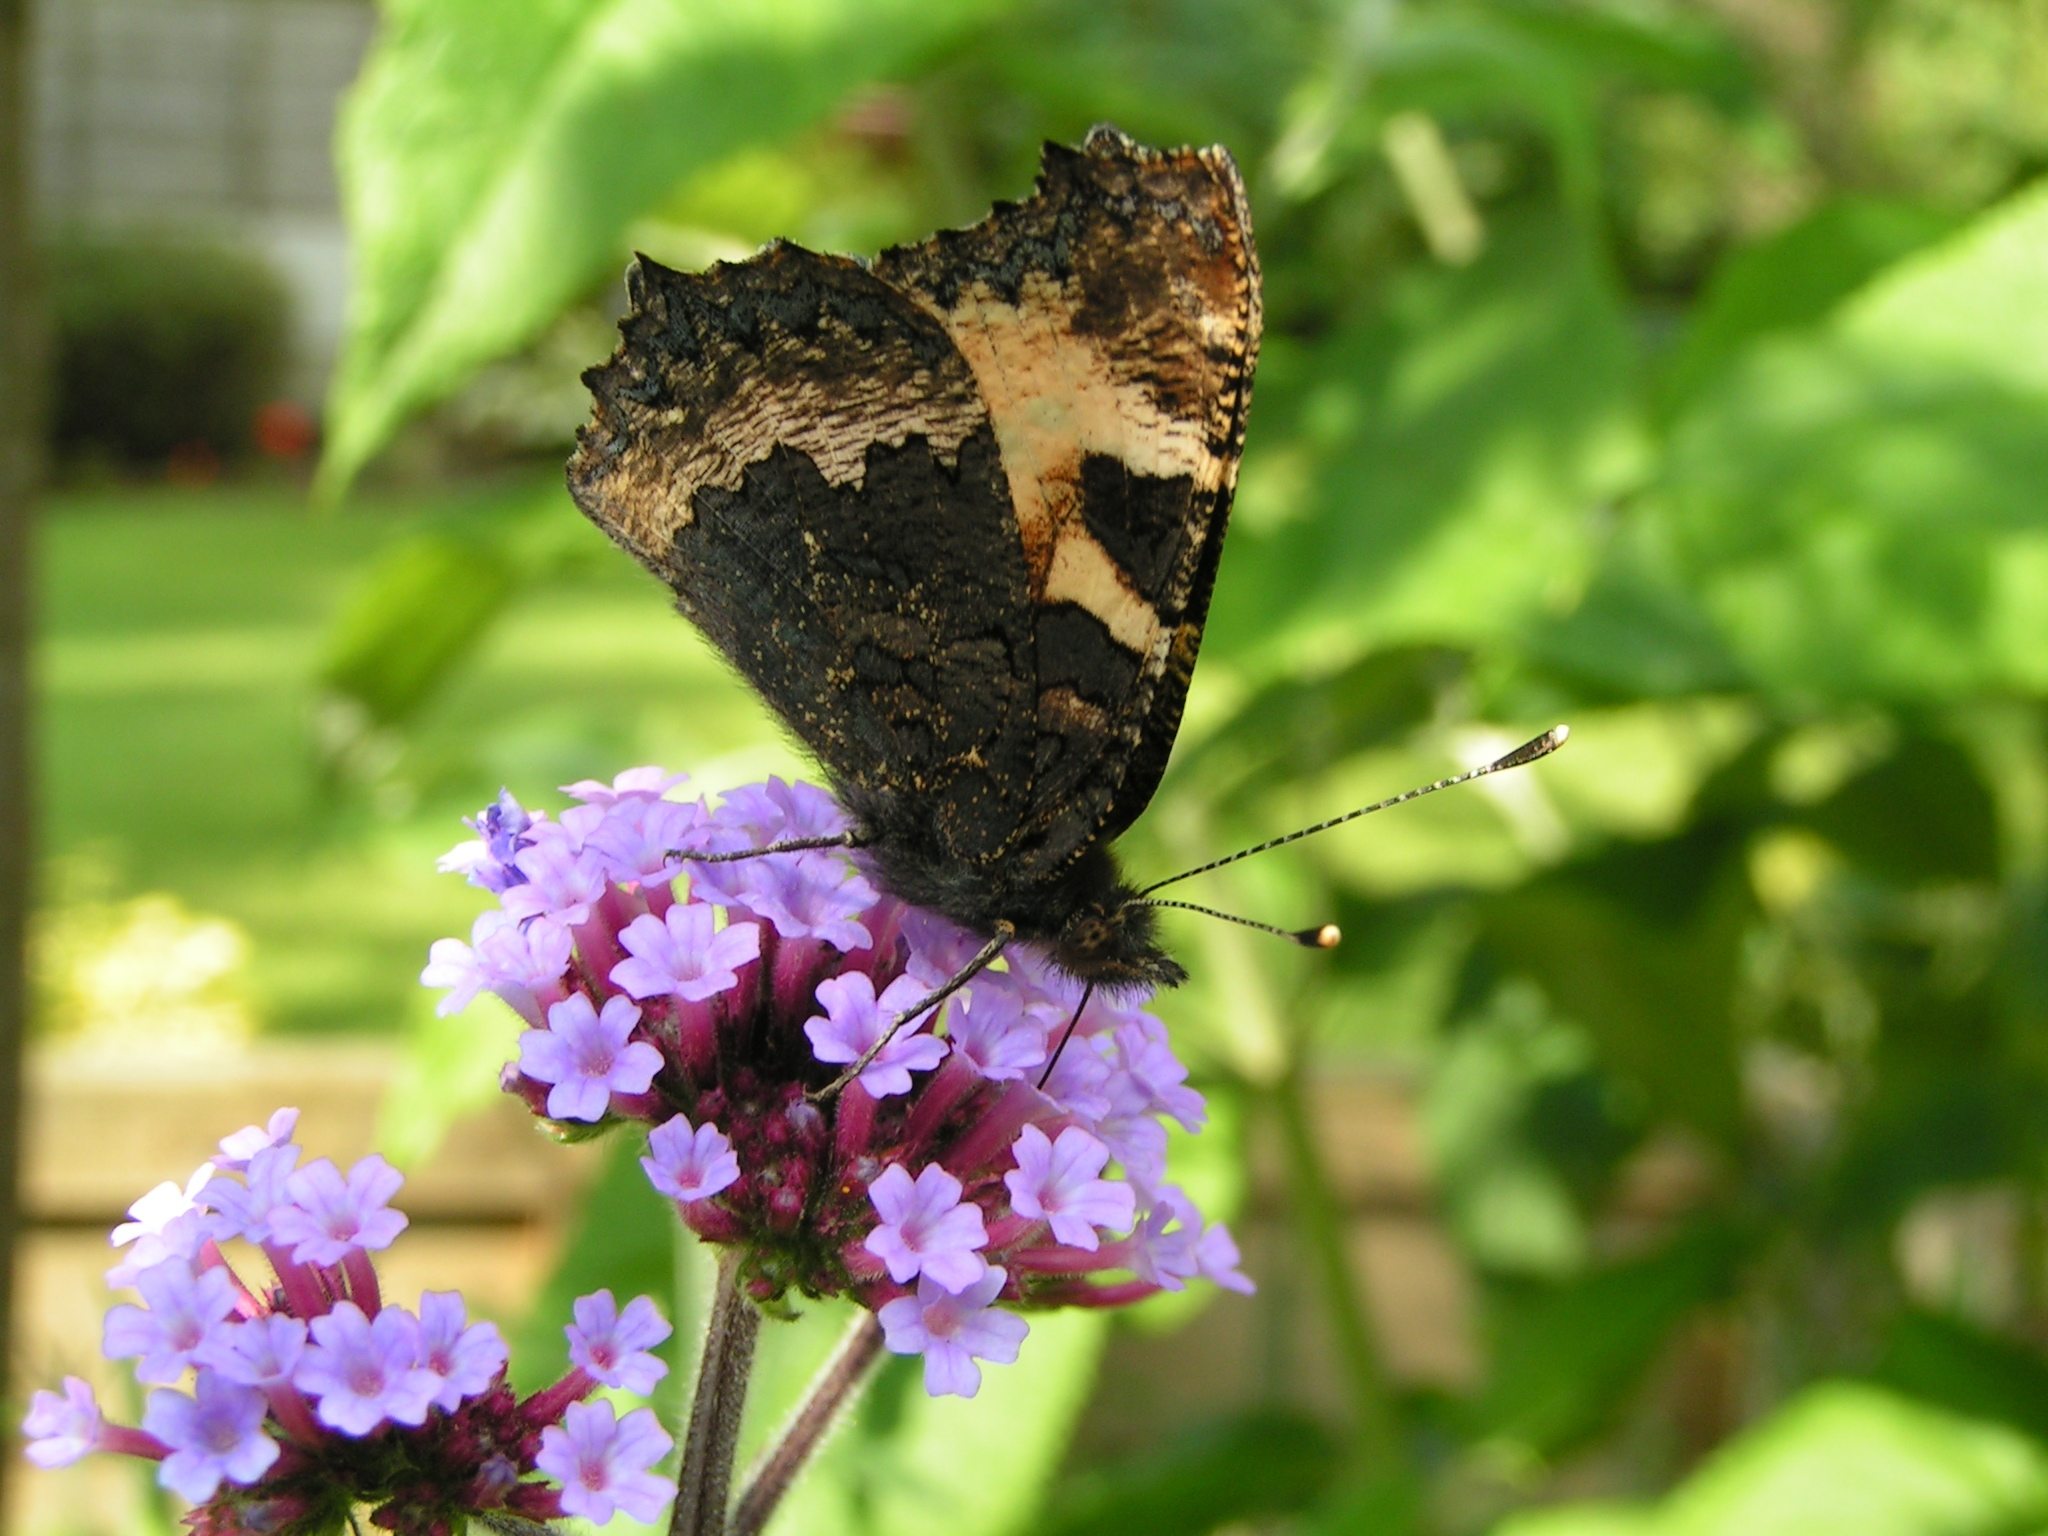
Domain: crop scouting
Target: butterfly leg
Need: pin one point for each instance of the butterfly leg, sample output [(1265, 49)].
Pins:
[(983, 958), (792, 845), (1079, 1009)]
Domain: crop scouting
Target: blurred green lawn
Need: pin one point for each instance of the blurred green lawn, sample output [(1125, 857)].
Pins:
[(180, 638)]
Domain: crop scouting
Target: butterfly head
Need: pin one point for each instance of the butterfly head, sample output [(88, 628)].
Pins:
[(1113, 943)]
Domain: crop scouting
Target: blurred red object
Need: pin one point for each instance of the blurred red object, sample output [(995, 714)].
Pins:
[(284, 429)]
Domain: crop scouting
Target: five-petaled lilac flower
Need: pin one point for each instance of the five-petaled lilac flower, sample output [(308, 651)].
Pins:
[(362, 1371), (561, 881), (684, 954), (259, 1352), (587, 1056), (60, 1430), (855, 1019), (168, 1222), (926, 1228), (601, 1461), (953, 1329), (214, 1437), (689, 1163), (328, 1216), (1060, 1183), (486, 861), (238, 1147), (244, 1207), (615, 1346), (465, 1356), (991, 1031), (638, 835), (814, 898), (648, 783), (182, 1308)]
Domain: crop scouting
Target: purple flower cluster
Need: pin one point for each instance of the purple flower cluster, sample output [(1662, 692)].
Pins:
[(313, 1396), (951, 1185)]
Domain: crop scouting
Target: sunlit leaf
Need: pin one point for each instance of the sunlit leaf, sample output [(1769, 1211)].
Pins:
[(493, 157)]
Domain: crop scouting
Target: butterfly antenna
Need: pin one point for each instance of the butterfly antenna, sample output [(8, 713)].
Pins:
[(1532, 750), (1323, 936)]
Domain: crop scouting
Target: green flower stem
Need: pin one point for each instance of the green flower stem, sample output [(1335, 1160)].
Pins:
[(705, 1480), (1320, 1221), (837, 1383)]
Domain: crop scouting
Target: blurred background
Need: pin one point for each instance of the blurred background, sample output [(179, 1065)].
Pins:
[(1665, 1150)]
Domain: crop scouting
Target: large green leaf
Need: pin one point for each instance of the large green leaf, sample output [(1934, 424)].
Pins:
[(1842, 1460), (1435, 473), (493, 157)]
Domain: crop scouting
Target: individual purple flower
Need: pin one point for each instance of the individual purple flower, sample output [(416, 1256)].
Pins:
[(328, 1216), (512, 958), (990, 1030), (170, 1222), (1216, 1260), (239, 1147), (62, 1429), (637, 836), (814, 898), (214, 1437), (1163, 1249), (953, 1329), (363, 1371), (587, 1057), (1060, 1183), (244, 1207), (601, 1461), (855, 1019), (562, 881), (182, 1308), (259, 1352), (1146, 1055), (466, 1357), (648, 783), (614, 1346), (926, 1228), (487, 861), (689, 1163), (684, 954)]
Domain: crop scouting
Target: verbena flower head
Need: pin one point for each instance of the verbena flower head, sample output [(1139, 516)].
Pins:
[(289, 1404), (952, 1187)]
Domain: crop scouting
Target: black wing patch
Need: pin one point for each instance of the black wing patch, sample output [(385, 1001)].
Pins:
[(1112, 324), (802, 456)]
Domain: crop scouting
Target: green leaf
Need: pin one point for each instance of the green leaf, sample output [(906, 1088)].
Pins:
[(493, 158), (1795, 278), (910, 1465), (1841, 1460), (1443, 476), (1976, 304), (1857, 510), (1566, 1357), (1945, 1361), (410, 622), (1844, 1460), (1264, 1464), (1641, 946)]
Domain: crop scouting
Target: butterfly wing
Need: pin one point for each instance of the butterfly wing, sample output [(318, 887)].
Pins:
[(1111, 323), (803, 456)]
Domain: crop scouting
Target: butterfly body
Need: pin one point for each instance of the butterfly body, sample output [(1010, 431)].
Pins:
[(956, 516)]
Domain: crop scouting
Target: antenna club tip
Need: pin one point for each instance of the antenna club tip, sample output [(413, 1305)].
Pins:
[(1329, 936), (1559, 735)]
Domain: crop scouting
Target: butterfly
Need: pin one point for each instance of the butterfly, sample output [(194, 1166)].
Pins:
[(956, 515)]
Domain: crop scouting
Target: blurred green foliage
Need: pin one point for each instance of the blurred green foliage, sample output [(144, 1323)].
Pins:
[(1676, 370)]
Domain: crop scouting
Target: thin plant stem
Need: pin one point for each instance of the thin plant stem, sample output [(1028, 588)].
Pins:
[(705, 1480), (836, 1385), (1321, 1223)]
